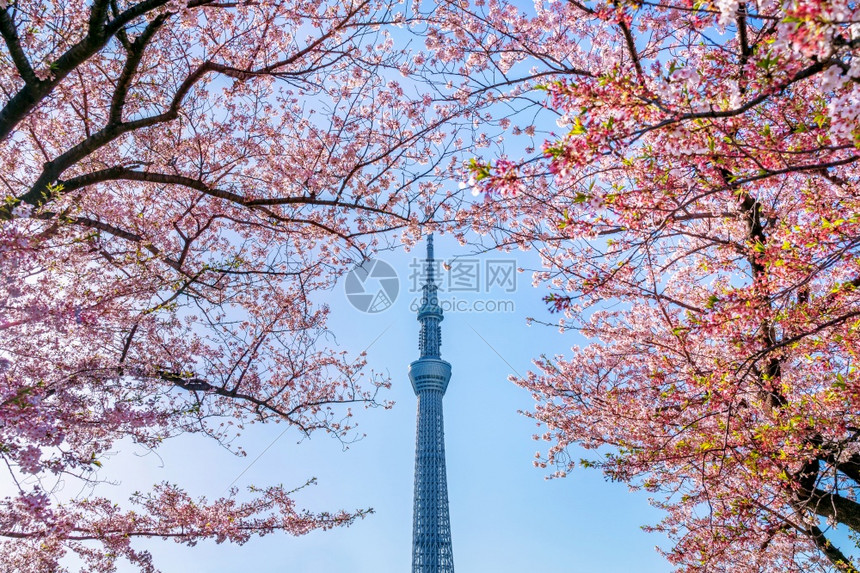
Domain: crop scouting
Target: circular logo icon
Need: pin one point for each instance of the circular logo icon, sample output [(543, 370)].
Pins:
[(372, 286)]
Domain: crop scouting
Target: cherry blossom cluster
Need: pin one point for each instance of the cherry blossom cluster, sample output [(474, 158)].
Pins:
[(181, 179), (697, 219)]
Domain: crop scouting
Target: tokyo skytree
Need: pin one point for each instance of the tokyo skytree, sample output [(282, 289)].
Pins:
[(431, 526)]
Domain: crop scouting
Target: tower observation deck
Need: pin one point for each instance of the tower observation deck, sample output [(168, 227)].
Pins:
[(431, 526)]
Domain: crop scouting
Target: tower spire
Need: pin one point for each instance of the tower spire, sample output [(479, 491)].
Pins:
[(431, 526), (430, 313), (430, 257)]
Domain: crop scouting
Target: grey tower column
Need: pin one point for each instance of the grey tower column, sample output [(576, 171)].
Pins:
[(431, 526)]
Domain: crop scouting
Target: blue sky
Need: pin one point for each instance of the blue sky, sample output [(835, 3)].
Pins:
[(505, 516)]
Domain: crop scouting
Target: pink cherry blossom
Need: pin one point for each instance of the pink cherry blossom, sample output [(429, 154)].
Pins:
[(696, 211), (180, 179)]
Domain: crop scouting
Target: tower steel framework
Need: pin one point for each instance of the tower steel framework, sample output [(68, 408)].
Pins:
[(431, 526)]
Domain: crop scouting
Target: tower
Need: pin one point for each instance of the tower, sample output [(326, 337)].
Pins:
[(431, 526)]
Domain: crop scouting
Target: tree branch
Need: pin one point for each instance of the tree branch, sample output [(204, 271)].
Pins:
[(13, 43), (28, 97), (833, 506), (836, 557), (631, 46), (135, 55)]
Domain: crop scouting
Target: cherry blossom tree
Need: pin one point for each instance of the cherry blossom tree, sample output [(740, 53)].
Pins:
[(697, 216), (180, 179)]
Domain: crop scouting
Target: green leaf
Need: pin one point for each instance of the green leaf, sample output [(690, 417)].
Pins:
[(578, 128)]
